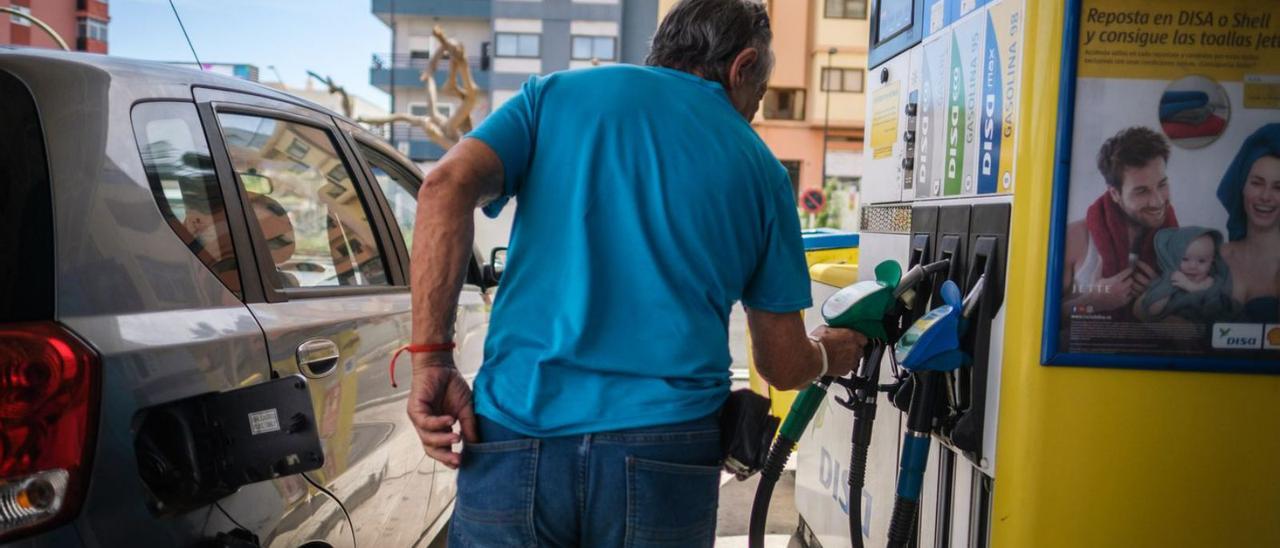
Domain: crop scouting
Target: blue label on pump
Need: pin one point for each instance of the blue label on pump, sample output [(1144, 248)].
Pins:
[(933, 341), (989, 134), (915, 455)]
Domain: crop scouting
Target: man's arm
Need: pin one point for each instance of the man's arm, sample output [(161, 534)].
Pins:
[(787, 359), (469, 175), (443, 234)]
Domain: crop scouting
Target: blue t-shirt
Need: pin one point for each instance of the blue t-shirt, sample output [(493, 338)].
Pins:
[(647, 207)]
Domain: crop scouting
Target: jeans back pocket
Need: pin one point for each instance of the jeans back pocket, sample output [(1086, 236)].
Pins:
[(671, 504), (495, 494)]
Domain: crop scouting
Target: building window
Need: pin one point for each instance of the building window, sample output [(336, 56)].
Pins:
[(842, 79), (793, 172), (93, 29), (603, 48), (19, 20), (297, 149), (518, 45), (784, 104), (420, 109), (846, 9)]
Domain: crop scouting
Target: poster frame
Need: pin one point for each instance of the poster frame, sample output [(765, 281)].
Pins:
[(1051, 354)]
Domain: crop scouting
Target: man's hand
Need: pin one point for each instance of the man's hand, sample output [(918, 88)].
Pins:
[(1141, 279), (844, 348), (788, 360), (438, 398), (1112, 293)]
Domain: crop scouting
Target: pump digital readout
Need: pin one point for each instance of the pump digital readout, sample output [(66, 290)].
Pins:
[(895, 16)]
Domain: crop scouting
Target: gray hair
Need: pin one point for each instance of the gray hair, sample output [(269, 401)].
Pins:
[(704, 37)]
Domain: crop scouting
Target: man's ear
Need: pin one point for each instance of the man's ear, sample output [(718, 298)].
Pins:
[(1114, 193), (742, 64)]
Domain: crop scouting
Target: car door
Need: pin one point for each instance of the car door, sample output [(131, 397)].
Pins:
[(395, 184), (334, 305)]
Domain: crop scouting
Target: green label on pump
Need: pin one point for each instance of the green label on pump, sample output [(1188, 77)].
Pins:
[(953, 168)]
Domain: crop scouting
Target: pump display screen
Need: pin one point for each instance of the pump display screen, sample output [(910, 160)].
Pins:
[(1172, 185), (895, 16)]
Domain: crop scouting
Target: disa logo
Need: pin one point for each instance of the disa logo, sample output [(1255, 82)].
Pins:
[(1237, 336)]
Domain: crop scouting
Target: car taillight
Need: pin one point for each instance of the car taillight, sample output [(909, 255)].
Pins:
[(48, 391)]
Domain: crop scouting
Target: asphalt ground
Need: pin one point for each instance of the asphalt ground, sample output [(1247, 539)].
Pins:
[(734, 516)]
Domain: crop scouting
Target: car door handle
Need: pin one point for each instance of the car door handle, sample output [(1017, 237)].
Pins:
[(318, 358)]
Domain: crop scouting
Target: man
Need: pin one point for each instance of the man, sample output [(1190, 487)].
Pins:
[(647, 207), (1110, 252)]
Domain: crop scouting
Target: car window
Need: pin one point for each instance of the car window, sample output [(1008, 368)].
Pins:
[(26, 209), (398, 190), (310, 214), (180, 170)]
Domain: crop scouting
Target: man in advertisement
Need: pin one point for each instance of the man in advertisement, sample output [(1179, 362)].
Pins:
[(1110, 253)]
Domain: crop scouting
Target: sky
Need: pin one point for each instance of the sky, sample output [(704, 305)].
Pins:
[(331, 37)]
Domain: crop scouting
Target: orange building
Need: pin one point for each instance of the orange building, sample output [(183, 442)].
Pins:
[(819, 78), (81, 23)]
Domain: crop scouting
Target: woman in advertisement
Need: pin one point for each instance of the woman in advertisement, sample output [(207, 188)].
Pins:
[(1250, 191)]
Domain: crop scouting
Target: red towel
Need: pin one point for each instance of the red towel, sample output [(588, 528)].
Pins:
[(1210, 127), (1109, 230)]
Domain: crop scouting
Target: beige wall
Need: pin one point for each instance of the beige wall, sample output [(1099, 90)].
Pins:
[(663, 7), (847, 109), (790, 23), (839, 32)]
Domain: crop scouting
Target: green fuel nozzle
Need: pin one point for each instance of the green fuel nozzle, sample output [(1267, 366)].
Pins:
[(803, 408), (865, 306)]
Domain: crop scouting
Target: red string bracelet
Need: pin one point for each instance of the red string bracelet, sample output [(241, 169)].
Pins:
[(417, 349)]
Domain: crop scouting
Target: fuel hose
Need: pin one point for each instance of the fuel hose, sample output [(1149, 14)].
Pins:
[(864, 416), (915, 456), (802, 410)]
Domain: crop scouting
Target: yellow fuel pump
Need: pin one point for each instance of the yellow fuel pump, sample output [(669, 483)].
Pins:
[(1110, 170)]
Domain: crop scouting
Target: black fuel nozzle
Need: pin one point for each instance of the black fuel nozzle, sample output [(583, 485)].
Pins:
[(861, 385), (971, 301), (919, 273)]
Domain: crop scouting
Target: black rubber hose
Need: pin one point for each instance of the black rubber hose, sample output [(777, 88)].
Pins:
[(773, 465), (864, 415), (903, 522), (857, 478)]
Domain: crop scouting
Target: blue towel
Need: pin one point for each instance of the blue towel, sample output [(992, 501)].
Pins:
[(1264, 142), (1205, 306)]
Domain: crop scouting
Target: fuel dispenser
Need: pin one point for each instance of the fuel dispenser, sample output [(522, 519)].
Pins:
[(1018, 410)]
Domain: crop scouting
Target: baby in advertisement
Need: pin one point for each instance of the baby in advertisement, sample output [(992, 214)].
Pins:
[(1195, 284)]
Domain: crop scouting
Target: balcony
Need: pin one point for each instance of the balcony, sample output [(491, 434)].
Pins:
[(477, 9), (407, 71)]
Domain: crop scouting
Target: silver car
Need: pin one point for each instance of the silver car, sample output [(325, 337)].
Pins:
[(167, 234)]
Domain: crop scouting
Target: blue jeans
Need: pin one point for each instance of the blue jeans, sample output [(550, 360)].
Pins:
[(655, 486)]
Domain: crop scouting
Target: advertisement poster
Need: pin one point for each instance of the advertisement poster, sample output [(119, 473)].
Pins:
[(1172, 226)]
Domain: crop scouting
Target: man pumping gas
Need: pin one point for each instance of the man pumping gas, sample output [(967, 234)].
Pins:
[(647, 207)]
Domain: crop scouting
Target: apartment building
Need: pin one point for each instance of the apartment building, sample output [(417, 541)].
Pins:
[(815, 102), (82, 24), (506, 41)]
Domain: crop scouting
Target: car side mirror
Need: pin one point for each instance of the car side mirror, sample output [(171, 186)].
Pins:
[(255, 183), (493, 269)]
